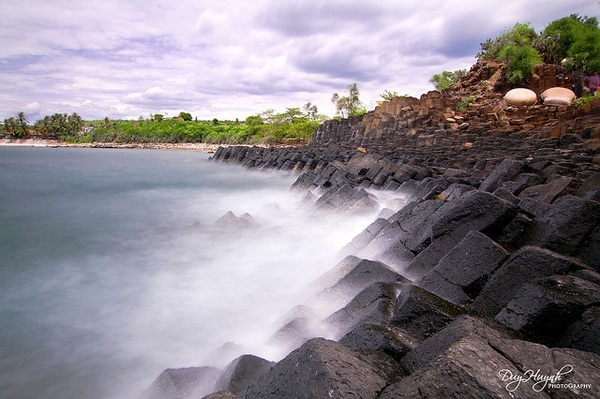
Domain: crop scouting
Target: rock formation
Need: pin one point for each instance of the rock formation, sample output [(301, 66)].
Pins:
[(482, 280)]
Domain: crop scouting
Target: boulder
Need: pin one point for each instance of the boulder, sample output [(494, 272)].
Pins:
[(475, 210), (547, 192), (230, 220), (223, 355), (589, 252), (566, 224), (470, 358), (421, 314), (543, 309), (241, 373), (329, 370), (520, 97), (357, 274), (378, 338), (558, 96), (506, 171), (373, 305), (522, 267), (460, 274), (182, 382), (584, 333)]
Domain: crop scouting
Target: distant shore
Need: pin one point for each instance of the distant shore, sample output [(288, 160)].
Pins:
[(154, 146)]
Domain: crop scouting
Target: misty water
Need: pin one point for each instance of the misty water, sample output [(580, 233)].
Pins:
[(112, 268)]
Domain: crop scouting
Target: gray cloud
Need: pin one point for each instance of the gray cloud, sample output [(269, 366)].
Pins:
[(234, 59)]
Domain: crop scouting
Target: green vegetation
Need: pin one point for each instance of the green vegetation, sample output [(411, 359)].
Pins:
[(446, 79), (464, 104), (349, 105), (572, 41), (515, 48), (291, 126), (389, 95)]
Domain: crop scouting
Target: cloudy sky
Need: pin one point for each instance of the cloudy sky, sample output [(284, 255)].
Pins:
[(235, 58)]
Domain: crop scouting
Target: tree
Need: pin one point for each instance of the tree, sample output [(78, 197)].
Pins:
[(515, 48), (186, 116), (349, 105), (17, 127), (446, 79)]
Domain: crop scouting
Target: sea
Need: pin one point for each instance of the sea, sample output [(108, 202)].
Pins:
[(114, 267)]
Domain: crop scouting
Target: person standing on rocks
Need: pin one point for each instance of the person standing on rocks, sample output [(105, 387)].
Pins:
[(592, 82)]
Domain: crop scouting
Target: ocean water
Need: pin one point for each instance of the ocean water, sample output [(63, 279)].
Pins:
[(112, 268)]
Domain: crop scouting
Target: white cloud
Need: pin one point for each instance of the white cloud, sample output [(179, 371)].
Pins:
[(237, 58)]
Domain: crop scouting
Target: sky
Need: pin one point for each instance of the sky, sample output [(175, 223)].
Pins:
[(228, 59)]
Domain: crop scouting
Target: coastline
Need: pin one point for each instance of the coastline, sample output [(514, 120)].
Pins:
[(151, 146)]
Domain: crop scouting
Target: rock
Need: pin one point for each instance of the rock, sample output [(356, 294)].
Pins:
[(464, 327), (296, 332), (356, 277), (379, 338), (558, 96), (575, 369), (329, 370), (421, 314), (543, 309), (222, 395), (230, 220), (583, 334), (183, 382), (460, 274), (520, 97), (589, 252), (506, 171), (373, 305), (566, 224), (476, 210), (472, 359), (223, 355), (547, 192), (523, 266), (241, 373)]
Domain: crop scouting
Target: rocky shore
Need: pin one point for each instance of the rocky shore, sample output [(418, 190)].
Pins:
[(481, 280)]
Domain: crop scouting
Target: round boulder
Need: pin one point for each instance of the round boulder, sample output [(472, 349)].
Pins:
[(558, 96), (520, 97)]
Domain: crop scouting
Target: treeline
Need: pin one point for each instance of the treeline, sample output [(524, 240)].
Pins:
[(292, 126)]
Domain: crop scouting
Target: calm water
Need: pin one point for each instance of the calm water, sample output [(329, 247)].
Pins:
[(111, 267)]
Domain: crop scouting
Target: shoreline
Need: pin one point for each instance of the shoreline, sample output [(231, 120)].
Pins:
[(151, 146), (207, 147)]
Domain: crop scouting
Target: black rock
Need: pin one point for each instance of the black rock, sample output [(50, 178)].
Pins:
[(183, 382), (379, 338), (241, 373), (506, 171), (522, 267), (421, 314), (544, 308), (374, 305), (459, 276), (324, 369)]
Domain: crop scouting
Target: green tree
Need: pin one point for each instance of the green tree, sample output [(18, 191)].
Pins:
[(515, 48), (186, 116), (349, 105), (446, 79), (17, 127), (573, 39)]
